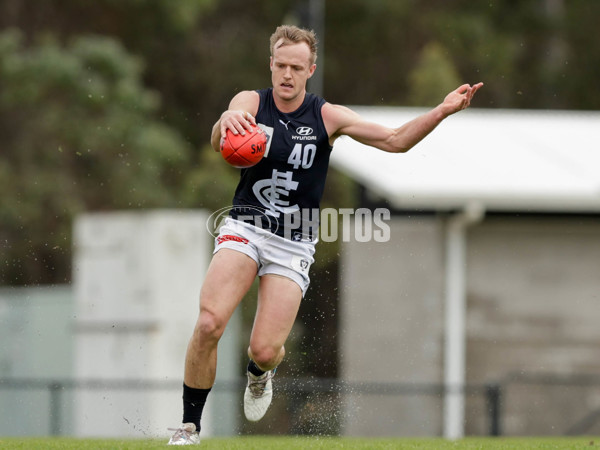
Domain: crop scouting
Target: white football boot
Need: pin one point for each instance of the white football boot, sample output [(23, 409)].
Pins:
[(258, 395), (186, 434)]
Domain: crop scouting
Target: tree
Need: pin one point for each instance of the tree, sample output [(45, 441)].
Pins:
[(77, 135), (433, 76)]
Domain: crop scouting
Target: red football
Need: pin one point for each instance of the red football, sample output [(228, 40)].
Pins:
[(244, 150)]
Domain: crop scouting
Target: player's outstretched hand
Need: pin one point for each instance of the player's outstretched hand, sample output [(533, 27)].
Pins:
[(460, 98)]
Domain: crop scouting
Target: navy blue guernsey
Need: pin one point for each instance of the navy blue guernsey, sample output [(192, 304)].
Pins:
[(283, 191)]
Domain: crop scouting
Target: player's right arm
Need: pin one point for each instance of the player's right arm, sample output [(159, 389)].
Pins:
[(238, 118)]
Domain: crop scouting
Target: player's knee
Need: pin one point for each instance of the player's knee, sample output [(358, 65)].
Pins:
[(265, 356), (209, 327)]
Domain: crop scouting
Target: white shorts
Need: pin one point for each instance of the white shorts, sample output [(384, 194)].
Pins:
[(273, 254)]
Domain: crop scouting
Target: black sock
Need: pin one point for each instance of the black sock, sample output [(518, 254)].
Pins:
[(193, 404), (254, 369)]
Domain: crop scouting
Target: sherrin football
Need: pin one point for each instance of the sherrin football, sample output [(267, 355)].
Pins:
[(244, 151)]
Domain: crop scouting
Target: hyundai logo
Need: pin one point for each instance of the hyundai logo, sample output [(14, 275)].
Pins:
[(304, 131)]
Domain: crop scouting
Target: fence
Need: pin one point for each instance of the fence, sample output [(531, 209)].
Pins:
[(329, 395)]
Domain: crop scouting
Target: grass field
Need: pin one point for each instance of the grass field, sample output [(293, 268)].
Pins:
[(301, 443)]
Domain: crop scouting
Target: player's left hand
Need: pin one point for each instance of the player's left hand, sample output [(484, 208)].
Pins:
[(460, 98)]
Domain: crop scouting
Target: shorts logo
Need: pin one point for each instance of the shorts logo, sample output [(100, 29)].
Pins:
[(230, 237), (300, 264)]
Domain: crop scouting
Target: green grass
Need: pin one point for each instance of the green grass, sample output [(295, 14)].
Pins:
[(301, 443)]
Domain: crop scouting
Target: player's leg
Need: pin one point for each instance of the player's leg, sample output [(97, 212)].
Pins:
[(278, 303), (228, 278), (220, 294), (279, 299)]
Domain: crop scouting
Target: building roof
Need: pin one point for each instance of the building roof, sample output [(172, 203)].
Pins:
[(499, 160)]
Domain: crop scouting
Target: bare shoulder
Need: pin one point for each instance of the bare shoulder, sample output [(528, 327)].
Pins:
[(337, 117), (246, 101)]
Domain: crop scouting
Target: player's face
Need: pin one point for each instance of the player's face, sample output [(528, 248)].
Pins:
[(290, 69)]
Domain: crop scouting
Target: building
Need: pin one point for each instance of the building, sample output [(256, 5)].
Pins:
[(491, 277)]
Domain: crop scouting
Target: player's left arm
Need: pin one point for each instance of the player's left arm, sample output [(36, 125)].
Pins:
[(340, 120)]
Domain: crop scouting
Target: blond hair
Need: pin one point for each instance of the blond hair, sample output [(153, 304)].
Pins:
[(292, 34)]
